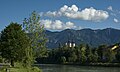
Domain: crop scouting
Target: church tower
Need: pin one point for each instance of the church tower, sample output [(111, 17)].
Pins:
[(70, 44)]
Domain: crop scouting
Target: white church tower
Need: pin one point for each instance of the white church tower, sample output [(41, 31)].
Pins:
[(70, 44)]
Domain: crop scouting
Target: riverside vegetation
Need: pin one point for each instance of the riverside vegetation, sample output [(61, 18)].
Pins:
[(84, 55), (20, 50)]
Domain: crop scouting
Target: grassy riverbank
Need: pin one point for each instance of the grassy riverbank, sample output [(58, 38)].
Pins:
[(13, 69), (18, 68)]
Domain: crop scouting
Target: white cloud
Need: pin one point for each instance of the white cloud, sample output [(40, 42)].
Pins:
[(58, 25), (53, 14), (47, 23), (69, 25), (115, 20), (65, 8), (73, 12), (110, 8)]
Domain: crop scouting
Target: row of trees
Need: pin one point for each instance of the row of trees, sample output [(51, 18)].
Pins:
[(17, 45), (82, 54)]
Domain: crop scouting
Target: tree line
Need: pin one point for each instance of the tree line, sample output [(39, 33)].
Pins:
[(82, 54)]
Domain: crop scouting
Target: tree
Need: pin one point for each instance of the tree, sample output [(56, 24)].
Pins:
[(109, 55), (88, 53), (72, 57), (118, 56), (62, 59), (100, 51), (95, 55), (32, 25), (82, 57), (15, 44), (88, 50)]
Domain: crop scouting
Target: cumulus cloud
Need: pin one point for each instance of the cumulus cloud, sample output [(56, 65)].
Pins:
[(115, 20), (73, 12), (69, 25), (57, 24), (110, 8)]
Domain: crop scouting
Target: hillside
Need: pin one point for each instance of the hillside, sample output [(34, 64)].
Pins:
[(92, 37)]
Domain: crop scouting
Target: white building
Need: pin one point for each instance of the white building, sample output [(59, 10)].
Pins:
[(70, 44)]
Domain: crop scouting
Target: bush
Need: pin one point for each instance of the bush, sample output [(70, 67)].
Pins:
[(62, 59), (36, 69)]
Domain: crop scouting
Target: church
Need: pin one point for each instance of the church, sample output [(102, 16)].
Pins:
[(70, 43)]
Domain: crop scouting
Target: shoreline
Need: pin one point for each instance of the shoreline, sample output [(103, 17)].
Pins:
[(90, 64), (98, 64)]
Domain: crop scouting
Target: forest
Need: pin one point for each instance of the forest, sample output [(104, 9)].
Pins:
[(82, 54)]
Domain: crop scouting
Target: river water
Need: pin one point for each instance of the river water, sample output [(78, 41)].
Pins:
[(73, 68)]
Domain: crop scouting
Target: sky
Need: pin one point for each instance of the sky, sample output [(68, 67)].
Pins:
[(63, 14)]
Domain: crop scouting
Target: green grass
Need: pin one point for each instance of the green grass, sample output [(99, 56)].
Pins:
[(34, 69), (19, 68)]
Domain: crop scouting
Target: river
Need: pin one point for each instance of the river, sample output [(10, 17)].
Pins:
[(73, 68)]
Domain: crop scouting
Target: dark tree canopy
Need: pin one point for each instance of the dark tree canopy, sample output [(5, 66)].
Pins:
[(14, 43)]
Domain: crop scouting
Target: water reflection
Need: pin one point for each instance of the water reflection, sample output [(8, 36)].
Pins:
[(72, 68)]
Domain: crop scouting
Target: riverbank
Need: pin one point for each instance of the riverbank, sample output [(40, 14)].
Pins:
[(15, 69), (90, 64), (96, 64), (18, 68)]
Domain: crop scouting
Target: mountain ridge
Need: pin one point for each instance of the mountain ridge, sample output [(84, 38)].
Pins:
[(88, 36)]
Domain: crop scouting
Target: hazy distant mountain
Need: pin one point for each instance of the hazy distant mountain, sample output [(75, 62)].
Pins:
[(88, 36)]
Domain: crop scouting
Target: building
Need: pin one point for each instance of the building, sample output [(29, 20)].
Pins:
[(70, 43)]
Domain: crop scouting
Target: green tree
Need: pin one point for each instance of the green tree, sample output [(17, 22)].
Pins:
[(32, 25), (109, 56), (88, 50), (89, 54), (90, 58), (62, 59), (101, 52), (118, 56), (95, 55), (72, 57), (82, 56), (15, 44)]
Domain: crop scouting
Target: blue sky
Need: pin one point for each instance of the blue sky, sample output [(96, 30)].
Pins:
[(63, 14)]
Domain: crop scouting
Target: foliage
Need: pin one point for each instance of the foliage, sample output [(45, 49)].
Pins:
[(95, 56), (14, 43), (1, 59), (100, 52), (38, 40), (62, 59), (81, 55), (83, 58), (109, 56), (118, 56), (73, 57)]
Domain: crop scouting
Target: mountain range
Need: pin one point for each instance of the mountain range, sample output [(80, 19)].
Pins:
[(87, 36)]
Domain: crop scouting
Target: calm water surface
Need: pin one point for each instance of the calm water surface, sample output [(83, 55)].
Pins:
[(71, 68)]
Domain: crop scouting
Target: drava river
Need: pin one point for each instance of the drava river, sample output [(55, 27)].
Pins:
[(73, 68)]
